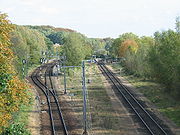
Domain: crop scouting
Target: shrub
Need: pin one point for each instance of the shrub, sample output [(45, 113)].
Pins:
[(16, 129)]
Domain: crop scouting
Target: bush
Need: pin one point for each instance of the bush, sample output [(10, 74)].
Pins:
[(16, 129)]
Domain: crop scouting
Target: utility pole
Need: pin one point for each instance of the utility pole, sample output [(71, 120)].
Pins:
[(84, 92), (41, 62), (84, 99), (65, 89)]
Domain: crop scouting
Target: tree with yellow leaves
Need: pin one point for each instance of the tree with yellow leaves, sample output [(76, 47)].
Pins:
[(13, 92), (128, 45)]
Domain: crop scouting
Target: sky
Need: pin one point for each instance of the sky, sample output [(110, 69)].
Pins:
[(96, 18)]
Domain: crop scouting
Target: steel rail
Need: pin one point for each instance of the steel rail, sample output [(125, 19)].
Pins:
[(115, 80), (47, 93), (53, 93), (42, 87)]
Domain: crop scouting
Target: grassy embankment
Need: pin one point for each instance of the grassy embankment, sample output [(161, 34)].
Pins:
[(165, 103), (20, 121)]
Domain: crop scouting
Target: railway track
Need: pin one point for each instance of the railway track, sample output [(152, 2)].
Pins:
[(146, 119), (56, 118)]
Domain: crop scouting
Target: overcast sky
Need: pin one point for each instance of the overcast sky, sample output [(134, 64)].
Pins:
[(96, 18)]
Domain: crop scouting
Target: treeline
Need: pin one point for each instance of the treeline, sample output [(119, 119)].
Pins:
[(32, 43), (28, 45), (155, 57), (78, 47), (75, 46)]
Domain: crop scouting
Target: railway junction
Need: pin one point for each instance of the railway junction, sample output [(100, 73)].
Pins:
[(65, 109)]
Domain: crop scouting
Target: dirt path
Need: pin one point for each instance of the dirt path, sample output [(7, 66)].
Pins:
[(34, 122), (109, 117), (127, 125)]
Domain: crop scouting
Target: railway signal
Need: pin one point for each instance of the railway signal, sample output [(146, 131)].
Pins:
[(23, 69)]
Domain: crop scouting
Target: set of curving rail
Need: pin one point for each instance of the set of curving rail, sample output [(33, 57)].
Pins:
[(51, 96)]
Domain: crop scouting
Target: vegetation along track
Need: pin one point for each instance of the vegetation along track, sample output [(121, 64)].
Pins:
[(147, 120), (56, 117)]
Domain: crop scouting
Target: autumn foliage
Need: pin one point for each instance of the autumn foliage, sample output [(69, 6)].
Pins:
[(127, 45), (13, 92)]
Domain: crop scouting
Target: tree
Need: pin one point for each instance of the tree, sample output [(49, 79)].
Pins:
[(116, 45), (13, 92), (128, 45), (74, 49), (95, 43), (28, 44), (164, 59), (49, 43), (108, 44), (57, 37), (114, 48)]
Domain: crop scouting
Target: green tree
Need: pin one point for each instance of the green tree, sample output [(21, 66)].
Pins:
[(137, 63), (27, 44), (57, 37), (45, 30), (164, 58), (108, 43), (49, 43), (114, 48), (96, 44), (74, 49)]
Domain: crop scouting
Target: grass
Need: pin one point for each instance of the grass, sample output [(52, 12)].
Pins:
[(20, 120), (100, 103), (100, 114), (155, 92), (22, 115)]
